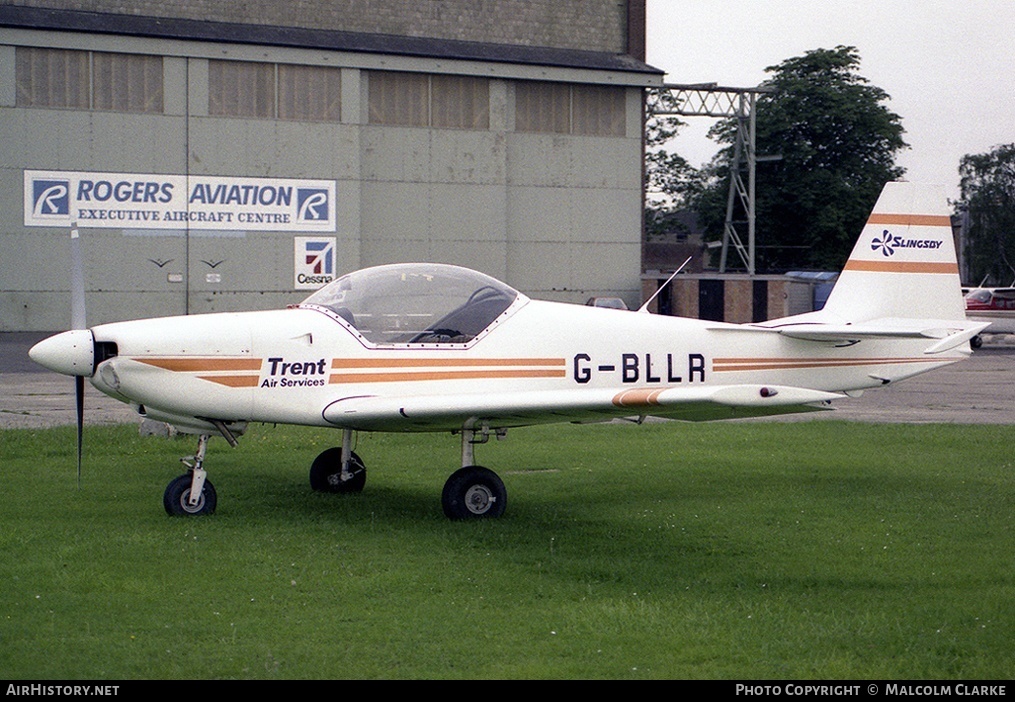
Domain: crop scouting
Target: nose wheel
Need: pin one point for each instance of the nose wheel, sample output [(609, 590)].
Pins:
[(178, 502), (191, 494)]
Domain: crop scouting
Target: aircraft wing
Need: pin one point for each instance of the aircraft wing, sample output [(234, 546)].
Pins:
[(429, 412)]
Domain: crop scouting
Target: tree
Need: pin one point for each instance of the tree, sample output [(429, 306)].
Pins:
[(988, 199), (670, 181), (836, 142)]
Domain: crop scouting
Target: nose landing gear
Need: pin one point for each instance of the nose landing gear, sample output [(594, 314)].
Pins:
[(192, 493)]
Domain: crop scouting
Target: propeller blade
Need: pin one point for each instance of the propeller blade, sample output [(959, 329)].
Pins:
[(79, 400), (77, 281), (77, 320)]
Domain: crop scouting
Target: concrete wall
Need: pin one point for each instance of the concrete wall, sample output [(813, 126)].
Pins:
[(557, 216)]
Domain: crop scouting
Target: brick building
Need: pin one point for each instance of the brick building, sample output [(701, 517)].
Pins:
[(226, 155)]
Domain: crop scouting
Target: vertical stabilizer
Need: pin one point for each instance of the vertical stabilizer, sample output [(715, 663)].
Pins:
[(904, 263)]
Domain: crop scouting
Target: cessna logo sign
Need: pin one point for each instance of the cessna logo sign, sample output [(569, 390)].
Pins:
[(149, 201), (315, 262)]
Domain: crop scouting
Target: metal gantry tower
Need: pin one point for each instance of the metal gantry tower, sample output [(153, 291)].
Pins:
[(712, 100)]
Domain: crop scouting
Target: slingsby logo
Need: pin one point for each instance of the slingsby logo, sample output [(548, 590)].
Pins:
[(887, 243), (160, 201)]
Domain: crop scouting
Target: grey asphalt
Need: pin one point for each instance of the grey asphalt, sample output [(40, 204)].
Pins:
[(978, 391)]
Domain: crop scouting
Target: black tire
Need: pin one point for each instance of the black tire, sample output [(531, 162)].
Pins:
[(976, 342), (326, 472), (176, 499), (474, 492)]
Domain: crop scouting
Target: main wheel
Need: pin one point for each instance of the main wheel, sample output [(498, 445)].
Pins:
[(326, 472), (474, 492), (177, 498)]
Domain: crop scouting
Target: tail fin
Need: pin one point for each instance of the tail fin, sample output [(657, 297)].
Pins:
[(904, 263), (901, 281)]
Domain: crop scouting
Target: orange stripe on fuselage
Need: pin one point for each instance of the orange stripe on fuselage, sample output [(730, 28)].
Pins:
[(193, 365), (393, 370), (394, 377), (442, 362), (389, 370), (720, 365), (233, 381), (211, 364)]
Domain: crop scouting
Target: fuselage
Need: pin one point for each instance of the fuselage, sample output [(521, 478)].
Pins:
[(288, 365)]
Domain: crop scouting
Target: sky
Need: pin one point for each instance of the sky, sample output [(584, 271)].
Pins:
[(949, 67)]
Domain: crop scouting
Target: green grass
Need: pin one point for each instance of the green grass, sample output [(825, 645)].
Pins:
[(747, 550)]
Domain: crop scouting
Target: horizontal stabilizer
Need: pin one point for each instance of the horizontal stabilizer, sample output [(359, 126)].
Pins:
[(949, 333), (957, 338)]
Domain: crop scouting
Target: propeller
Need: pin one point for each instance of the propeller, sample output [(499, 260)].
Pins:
[(75, 352), (77, 321), (72, 352)]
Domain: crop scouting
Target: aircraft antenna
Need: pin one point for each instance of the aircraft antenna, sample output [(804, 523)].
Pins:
[(644, 307)]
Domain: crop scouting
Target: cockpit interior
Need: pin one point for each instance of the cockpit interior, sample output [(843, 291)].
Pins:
[(416, 303)]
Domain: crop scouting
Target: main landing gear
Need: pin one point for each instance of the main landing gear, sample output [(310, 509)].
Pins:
[(472, 492), (338, 469)]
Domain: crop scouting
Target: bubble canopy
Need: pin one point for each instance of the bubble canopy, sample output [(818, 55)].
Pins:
[(416, 303)]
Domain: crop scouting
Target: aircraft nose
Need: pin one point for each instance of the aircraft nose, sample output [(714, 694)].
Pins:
[(71, 352)]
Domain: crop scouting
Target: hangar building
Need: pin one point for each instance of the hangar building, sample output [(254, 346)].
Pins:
[(219, 156)]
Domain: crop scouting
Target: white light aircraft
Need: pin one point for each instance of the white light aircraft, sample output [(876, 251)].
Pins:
[(428, 347), (995, 307)]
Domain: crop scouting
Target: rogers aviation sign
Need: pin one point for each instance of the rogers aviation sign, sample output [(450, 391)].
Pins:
[(145, 201)]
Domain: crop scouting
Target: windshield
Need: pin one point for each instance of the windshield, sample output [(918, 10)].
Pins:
[(416, 303)]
